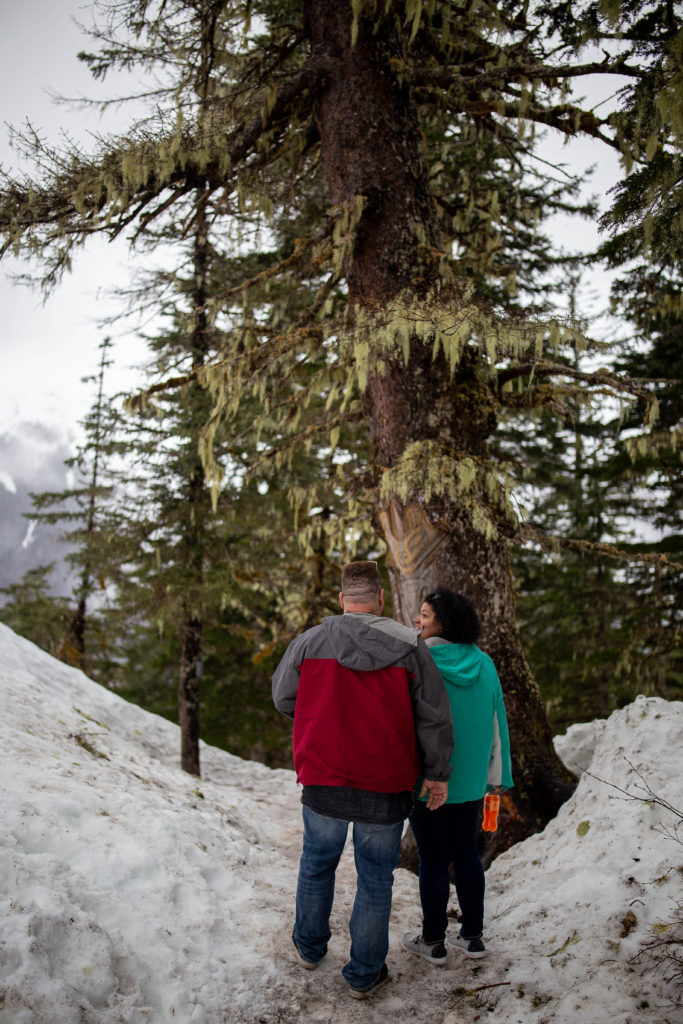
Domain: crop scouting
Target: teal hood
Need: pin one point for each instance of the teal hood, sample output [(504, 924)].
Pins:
[(481, 752), (459, 664)]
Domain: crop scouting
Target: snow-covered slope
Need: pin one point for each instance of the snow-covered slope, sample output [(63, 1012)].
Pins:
[(132, 892)]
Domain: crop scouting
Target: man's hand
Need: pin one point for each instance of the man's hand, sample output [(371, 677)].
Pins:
[(438, 791)]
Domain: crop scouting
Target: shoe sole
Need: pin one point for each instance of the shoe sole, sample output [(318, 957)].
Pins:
[(364, 993), (437, 961)]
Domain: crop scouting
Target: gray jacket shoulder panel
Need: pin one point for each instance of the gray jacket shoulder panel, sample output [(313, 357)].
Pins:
[(395, 629)]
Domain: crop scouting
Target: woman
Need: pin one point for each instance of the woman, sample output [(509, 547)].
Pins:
[(449, 624)]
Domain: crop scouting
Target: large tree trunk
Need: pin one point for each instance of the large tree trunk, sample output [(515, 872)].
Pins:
[(372, 147)]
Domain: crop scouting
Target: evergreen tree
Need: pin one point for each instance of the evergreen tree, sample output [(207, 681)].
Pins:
[(29, 609), (387, 147), (600, 630), (72, 648), (597, 607), (87, 534)]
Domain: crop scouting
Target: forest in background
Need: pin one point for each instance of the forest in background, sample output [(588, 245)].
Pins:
[(336, 373)]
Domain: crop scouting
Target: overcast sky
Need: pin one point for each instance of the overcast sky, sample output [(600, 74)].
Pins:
[(47, 347)]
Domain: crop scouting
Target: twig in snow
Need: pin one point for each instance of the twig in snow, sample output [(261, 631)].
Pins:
[(650, 798)]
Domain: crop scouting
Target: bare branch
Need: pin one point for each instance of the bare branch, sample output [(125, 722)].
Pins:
[(650, 796)]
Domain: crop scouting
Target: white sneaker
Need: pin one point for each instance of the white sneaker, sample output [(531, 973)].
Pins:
[(435, 952), (473, 948)]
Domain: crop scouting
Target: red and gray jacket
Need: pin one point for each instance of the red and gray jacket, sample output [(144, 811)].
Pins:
[(370, 709)]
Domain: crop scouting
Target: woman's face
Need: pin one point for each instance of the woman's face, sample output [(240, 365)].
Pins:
[(426, 622)]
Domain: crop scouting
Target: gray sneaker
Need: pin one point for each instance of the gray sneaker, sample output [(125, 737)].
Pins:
[(435, 952), (474, 947), (381, 979)]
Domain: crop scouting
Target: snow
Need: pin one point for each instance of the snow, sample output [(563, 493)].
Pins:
[(133, 892), (7, 482)]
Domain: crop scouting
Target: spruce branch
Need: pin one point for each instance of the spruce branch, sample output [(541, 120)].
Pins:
[(445, 77), (534, 534), (602, 381), (82, 195)]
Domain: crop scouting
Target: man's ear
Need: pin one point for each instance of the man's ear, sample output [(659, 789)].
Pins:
[(381, 601), (341, 599)]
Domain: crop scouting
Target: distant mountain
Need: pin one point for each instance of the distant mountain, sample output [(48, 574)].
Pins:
[(32, 459)]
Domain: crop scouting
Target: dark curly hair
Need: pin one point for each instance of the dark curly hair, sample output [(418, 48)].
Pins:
[(457, 615)]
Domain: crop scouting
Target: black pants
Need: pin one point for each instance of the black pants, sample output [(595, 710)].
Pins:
[(449, 834)]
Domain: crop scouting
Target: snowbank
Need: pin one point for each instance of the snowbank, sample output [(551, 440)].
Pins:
[(132, 892)]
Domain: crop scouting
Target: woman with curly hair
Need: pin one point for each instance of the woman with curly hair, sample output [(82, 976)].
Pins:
[(449, 624)]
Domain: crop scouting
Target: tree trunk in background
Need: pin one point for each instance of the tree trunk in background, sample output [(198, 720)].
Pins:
[(188, 695), (197, 509), (372, 147)]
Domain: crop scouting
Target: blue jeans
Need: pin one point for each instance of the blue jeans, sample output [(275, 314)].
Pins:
[(376, 849), (449, 834)]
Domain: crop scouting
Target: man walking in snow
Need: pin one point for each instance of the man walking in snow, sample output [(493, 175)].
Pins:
[(370, 714)]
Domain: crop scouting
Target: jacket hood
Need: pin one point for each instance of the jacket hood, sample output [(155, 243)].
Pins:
[(365, 642), (458, 664)]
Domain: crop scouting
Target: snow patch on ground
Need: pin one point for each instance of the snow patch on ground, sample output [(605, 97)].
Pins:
[(133, 893)]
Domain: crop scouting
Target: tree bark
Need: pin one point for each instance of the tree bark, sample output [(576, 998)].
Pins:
[(196, 510), (372, 147), (188, 695)]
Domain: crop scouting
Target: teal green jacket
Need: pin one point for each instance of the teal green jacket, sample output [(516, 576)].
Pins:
[(481, 752)]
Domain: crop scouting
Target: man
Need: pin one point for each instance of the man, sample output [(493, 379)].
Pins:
[(370, 714)]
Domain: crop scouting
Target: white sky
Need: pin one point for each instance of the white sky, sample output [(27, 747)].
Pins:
[(47, 348), (133, 893)]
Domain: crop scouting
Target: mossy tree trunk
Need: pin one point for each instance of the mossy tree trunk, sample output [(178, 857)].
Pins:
[(372, 147), (195, 513)]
